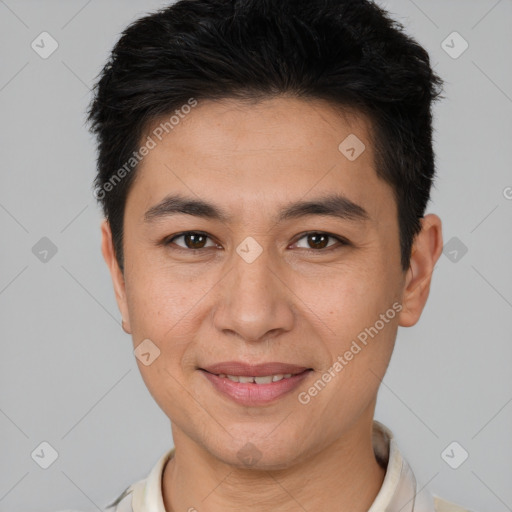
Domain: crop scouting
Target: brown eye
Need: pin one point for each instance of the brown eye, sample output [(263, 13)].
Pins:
[(317, 241), (191, 239)]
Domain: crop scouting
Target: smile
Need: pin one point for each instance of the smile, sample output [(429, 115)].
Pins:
[(258, 390), (266, 379)]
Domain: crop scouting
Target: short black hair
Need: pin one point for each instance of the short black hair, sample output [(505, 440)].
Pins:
[(348, 52)]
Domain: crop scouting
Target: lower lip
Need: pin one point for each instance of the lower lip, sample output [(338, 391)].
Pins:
[(250, 393)]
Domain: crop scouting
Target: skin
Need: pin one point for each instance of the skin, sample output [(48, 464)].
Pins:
[(289, 305)]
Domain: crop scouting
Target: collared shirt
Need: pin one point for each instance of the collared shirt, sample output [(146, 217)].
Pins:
[(400, 492)]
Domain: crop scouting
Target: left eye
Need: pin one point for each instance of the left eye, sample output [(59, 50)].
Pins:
[(318, 240)]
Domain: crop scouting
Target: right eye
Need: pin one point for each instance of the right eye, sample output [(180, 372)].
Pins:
[(192, 240)]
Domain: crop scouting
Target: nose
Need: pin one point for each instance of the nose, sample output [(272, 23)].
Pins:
[(254, 302)]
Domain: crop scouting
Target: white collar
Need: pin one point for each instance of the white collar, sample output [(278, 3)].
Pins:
[(399, 491)]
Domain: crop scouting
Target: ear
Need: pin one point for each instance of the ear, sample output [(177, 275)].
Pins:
[(427, 247), (107, 248)]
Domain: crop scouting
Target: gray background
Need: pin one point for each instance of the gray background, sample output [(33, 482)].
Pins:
[(67, 372)]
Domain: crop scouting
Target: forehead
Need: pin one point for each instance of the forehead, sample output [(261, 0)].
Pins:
[(256, 153), (230, 126)]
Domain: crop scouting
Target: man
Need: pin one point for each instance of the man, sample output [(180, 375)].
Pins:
[(264, 168)]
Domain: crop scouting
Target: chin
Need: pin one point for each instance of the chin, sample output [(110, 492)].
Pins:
[(259, 456)]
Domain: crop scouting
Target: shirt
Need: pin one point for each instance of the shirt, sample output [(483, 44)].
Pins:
[(400, 492)]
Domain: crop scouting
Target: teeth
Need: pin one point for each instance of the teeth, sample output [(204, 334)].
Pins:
[(265, 379)]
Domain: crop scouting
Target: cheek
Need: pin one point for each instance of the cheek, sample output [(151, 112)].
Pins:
[(360, 311), (163, 314), (360, 350), (161, 302), (355, 297), (167, 311)]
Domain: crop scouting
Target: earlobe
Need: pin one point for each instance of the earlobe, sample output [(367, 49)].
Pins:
[(107, 249), (426, 250)]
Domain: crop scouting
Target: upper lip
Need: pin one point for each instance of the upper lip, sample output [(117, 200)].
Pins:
[(253, 370)]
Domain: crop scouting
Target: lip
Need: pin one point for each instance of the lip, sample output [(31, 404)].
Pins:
[(252, 394), (253, 370)]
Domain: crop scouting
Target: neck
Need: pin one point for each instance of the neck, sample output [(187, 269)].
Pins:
[(343, 476)]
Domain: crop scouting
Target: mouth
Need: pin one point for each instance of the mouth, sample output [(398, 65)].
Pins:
[(253, 385)]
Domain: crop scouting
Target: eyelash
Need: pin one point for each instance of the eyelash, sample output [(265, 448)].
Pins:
[(341, 241)]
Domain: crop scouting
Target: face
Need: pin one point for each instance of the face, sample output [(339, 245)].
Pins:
[(288, 264)]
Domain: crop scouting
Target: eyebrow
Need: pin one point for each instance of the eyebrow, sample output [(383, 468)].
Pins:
[(333, 205)]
